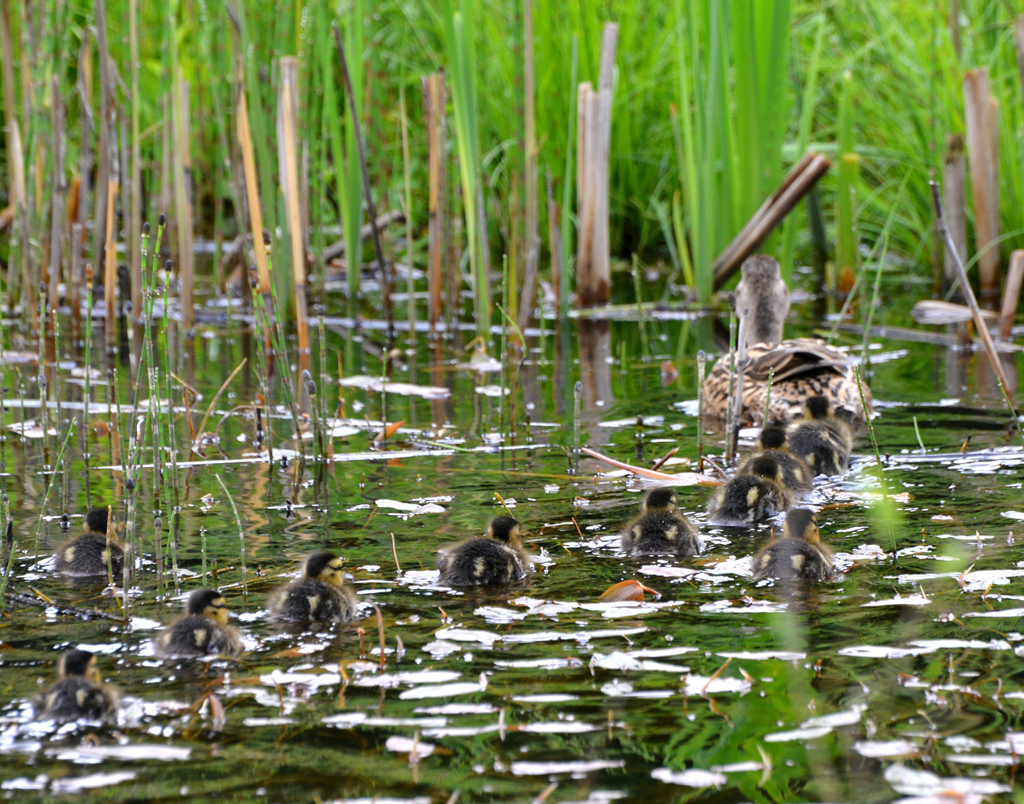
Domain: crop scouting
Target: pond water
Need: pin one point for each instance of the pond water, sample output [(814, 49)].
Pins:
[(900, 679)]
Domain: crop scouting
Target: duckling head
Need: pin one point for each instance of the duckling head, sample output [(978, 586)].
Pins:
[(802, 523), (767, 467), (324, 566), (762, 292), (661, 500), (208, 603), (80, 663), (96, 521), (505, 529), (817, 407), (773, 437)]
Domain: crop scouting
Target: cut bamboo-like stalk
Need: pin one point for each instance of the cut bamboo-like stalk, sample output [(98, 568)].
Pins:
[(1011, 293), (107, 142), (954, 177), (252, 191), (433, 111), (183, 197), (287, 120), (982, 116)]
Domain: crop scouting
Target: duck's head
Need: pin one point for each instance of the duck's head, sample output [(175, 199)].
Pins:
[(772, 437), (765, 466), (763, 293), (208, 603), (802, 523), (817, 407), (324, 566), (505, 529), (661, 500), (96, 521), (79, 663)]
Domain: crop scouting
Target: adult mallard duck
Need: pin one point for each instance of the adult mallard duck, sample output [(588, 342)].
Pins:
[(752, 496), (801, 555), (796, 474), (203, 631), (319, 595), (821, 438), (89, 552), (800, 367), (661, 527), (79, 693), (496, 559)]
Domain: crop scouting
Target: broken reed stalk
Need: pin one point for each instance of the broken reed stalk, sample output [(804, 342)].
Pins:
[(701, 366), (432, 87), (241, 536), (135, 180), (981, 113), (252, 191), (109, 270), (287, 121), (1011, 294), (407, 199), (386, 280), (796, 185), (954, 183)]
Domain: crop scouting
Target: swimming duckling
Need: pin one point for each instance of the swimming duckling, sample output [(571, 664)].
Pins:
[(87, 553), (661, 527), (203, 631), (801, 367), (318, 595), (821, 438), (801, 555), (751, 497), (79, 694), (796, 474), (492, 560)]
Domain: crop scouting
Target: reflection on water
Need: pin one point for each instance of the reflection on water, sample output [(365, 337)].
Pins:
[(901, 678)]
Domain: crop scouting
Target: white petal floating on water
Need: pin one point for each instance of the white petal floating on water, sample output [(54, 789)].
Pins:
[(764, 655), (255, 722), (996, 613), (956, 644), (881, 652), (549, 697), (390, 680), (982, 759), (403, 745), (705, 685), (441, 691), (693, 777), (1013, 514), (440, 648), (559, 727), (95, 753), (401, 388), (623, 661), (797, 734), (407, 510), (468, 635), (911, 782), (545, 768), (90, 782), (835, 720), (667, 572), (312, 680), (880, 749), (909, 600), (497, 614)]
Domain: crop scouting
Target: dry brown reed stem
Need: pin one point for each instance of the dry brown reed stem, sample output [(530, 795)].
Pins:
[(981, 113), (1011, 293), (20, 200), (56, 205), (954, 183), (965, 286), (182, 159), (594, 122), (109, 267), (7, 74), (432, 87), (796, 185), (287, 122), (386, 280), (252, 190), (380, 633), (107, 150), (135, 177)]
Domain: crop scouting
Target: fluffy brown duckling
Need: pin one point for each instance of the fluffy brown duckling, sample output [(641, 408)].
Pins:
[(319, 595), (79, 694), (87, 553), (796, 474), (821, 438), (801, 555), (661, 527), (496, 559), (203, 631), (751, 497), (799, 367)]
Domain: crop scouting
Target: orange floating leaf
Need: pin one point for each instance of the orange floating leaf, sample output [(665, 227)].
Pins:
[(389, 430), (626, 591)]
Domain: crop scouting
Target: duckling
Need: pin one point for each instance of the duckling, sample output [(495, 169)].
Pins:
[(661, 527), (751, 497), (79, 694), (318, 595), (821, 438), (801, 367), (796, 474), (87, 553), (801, 555), (203, 631), (496, 559)]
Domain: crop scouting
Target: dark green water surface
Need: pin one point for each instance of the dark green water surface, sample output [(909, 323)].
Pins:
[(902, 678)]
